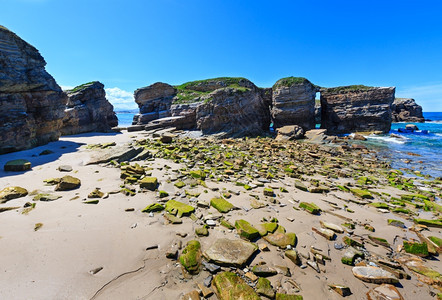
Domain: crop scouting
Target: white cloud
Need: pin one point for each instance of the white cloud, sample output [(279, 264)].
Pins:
[(120, 99), (428, 96), (66, 87)]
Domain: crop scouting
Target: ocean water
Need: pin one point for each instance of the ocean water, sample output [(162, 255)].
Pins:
[(125, 118), (414, 151)]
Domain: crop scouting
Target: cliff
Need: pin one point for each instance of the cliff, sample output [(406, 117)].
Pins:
[(88, 110), (356, 109), (406, 110), (31, 103)]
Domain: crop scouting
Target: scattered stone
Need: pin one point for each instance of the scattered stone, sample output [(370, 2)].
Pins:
[(314, 266), (163, 194), (288, 297), (264, 271), (96, 194), (223, 206), (350, 256), (91, 202), (281, 240), (190, 258), (64, 168), (269, 192), (331, 226), (364, 194), (396, 223), (212, 268), (3, 209), (264, 288), (419, 249), (205, 291), (12, 192), (178, 208), (150, 183), (68, 183), (341, 290), (193, 295), (153, 208), (310, 207), (384, 292), (229, 286), (299, 185), (227, 252), (95, 271), (293, 256), (251, 276), (327, 233), (374, 275), (429, 223), (172, 219), (246, 230), (17, 165), (352, 242), (265, 228), (202, 231), (38, 226)]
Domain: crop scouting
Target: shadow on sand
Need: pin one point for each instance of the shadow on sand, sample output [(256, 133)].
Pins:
[(66, 144)]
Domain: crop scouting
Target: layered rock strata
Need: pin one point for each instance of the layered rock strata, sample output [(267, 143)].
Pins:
[(406, 110), (293, 102), (31, 103), (356, 109), (88, 110), (154, 102)]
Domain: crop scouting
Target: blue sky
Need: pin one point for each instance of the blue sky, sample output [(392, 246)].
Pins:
[(130, 44)]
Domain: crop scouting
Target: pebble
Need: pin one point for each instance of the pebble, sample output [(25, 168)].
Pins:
[(210, 222)]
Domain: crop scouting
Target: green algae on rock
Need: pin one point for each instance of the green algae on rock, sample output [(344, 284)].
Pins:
[(229, 286), (264, 288), (310, 207), (246, 230), (190, 258), (12, 192), (150, 183), (281, 240), (179, 208), (280, 296), (153, 208), (419, 249), (379, 241), (265, 228), (429, 223), (223, 206), (364, 194), (17, 165), (68, 183)]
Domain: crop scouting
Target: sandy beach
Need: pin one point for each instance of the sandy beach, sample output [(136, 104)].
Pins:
[(98, 251)]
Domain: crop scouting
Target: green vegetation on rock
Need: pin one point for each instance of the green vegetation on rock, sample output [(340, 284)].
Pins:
[(150, 183), (289, 81), (246, 230), (190, 258), (379, 241), (223, 206), (310, 207), (80, 87), (364, 194), (153, 208), (17, 165), (288, 297), (12, 192), (230, 286), (396, 223), (349, 88), (178, 208), (429, 223), (419, 249)]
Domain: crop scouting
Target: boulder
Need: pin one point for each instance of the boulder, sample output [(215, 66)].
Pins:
[(293, 102), (289, 132), (374, 275), (227, 252), (229, 286), (384, 292), (187, 114), (154, 102), (68, 183), (12, 192), (17, 165), (281, 240), (31, 103), (406, 110), (356, 108), (88, 110), (190, 258)]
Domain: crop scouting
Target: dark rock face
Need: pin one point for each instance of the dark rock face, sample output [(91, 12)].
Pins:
[(293, 102), (356, 109), (233, 112), (31, 102), (154, 102), (188, 112), (88, 110), (406, 110)]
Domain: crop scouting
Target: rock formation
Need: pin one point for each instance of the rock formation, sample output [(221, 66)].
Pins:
[(356, 109), (88, 110), (31, 103), (293, 102), (406, 110), (154, 102)]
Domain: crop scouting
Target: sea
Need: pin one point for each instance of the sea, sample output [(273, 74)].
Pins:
[(411, 151)]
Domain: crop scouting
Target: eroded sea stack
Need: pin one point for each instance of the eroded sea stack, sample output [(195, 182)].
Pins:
[(88, 110), (31, 103), (356, 108), (406, 110)]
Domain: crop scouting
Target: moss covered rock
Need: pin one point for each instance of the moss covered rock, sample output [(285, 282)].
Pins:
[(190, 258), (281, 240), (396, 223), (293, 256), (229, 286), (150, 183), (198, 174), (364, 194), (96, 194), (17, 165), (269, 192), (68, 183), (419, 249), (288, 297), (153, 208), (264, 288), (223, 206), (12, 192), (246, 230), (310, 207), (178, 208), (429, 223), (202, 231), (265, 228)]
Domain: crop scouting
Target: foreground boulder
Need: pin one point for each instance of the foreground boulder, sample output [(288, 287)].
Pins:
[(17, 165), (406, 110), (68, 183), (12, 192), (356, 108), (288, 133), (294, 102), (230, 252), (31, 103), (374, 275), (229, 286), (88, 110)]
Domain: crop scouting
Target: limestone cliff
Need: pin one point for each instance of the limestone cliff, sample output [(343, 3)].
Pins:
[(406, 110), (31, 103), (356, 109), (293, 103), (88, 110)]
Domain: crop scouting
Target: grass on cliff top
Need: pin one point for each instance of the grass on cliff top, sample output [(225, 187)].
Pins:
[(289, 81), (81, 86), (187, 93), (349, 88), (3, 27)]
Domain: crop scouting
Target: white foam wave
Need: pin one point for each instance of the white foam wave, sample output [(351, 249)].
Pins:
[(389, 139)]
